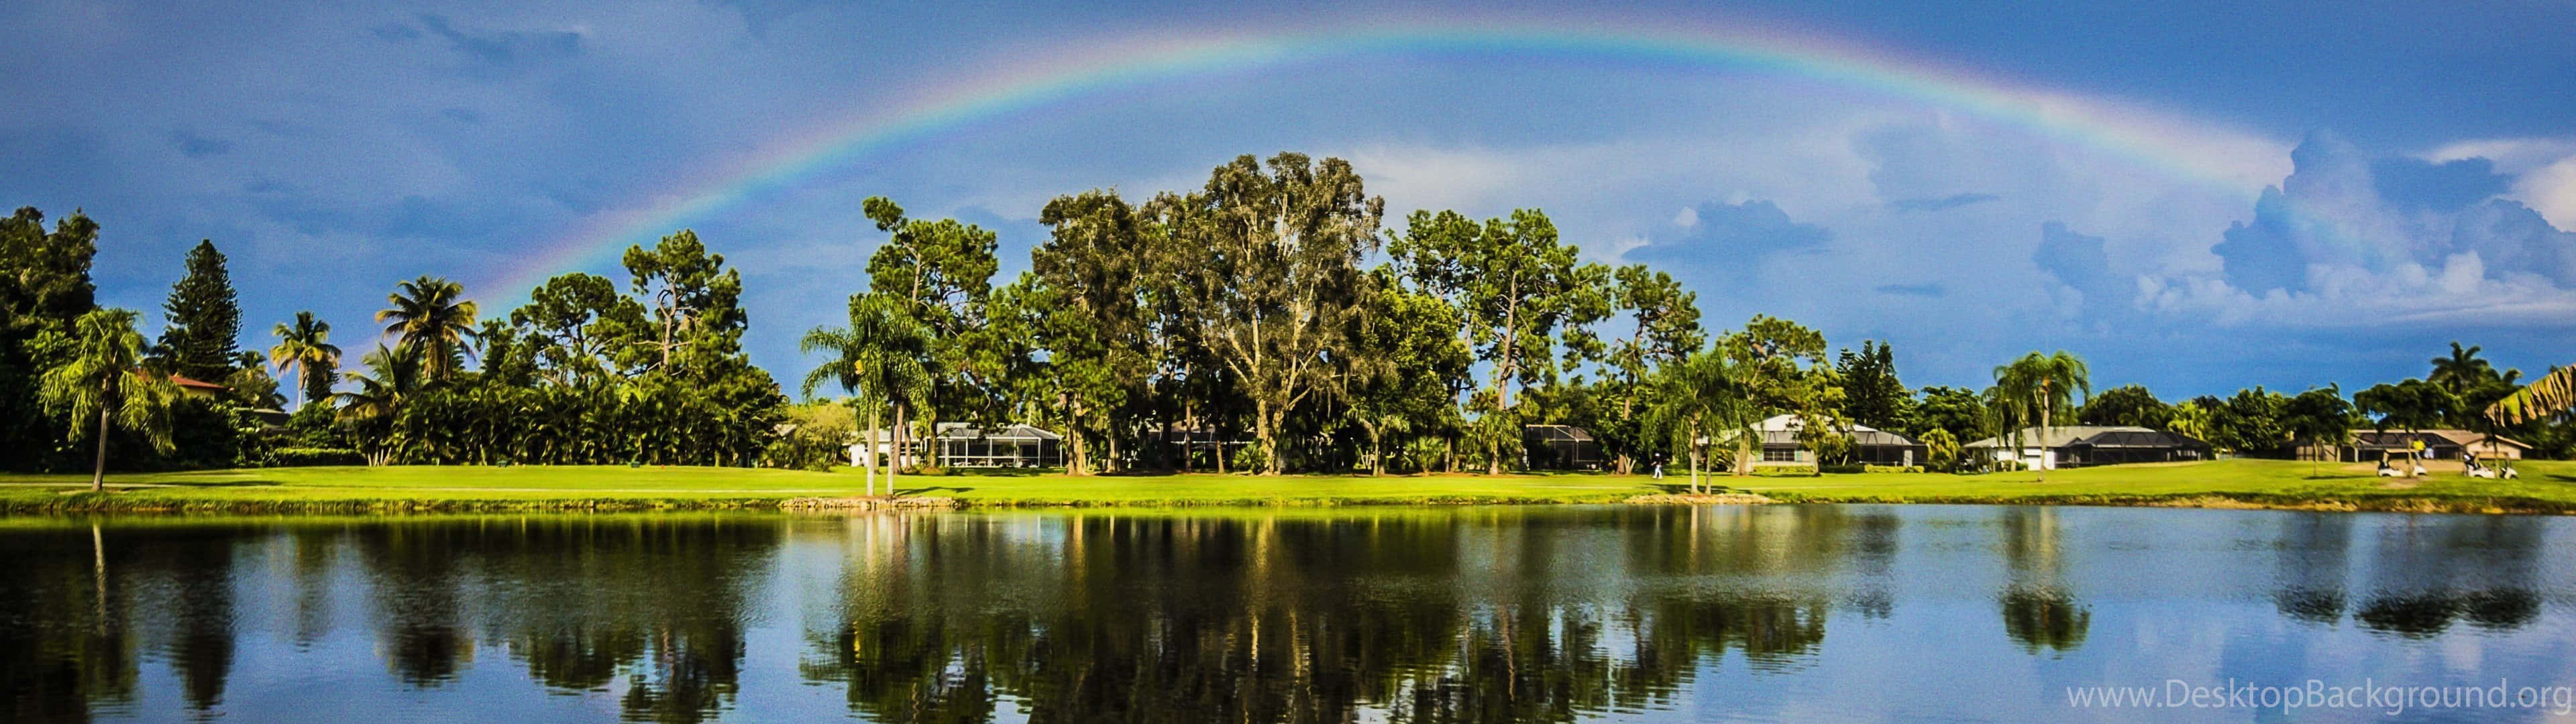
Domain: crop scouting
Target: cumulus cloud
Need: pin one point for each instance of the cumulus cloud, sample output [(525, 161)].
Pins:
[(2348, 239), (2077, 262)]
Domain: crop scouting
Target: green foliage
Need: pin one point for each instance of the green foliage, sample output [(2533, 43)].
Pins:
[(205, 319), (299, 457), (2129, 405), (1517, 285), (1940, 449), (305, 346), (433, 317), (2409, 405), (99, 378), (48, 286), (2250, 422), (1958, 411), (1872, 394)]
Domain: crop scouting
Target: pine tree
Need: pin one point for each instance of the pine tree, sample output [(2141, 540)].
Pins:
[(205, 319)]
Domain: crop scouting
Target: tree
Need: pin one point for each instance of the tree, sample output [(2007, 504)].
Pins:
[(393, 375), (2038, 386), (1958, 411), (306, 347), (576, 326), (940, 274), (101, 376), (697, 316), (1398, 361), (1267, 266), (2320, 416), (1084, 301), (1872, 394), (45, 288), (2251, 421), (1518, 285), (1780, 367), (1698, 398), (2130, 405), (1666, 331), (1940, 449), (2546, 398), (432, 316), (2410, 405), (205, 318), (2461, 372), (878, 359)]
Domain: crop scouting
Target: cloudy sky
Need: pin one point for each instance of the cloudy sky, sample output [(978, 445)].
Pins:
[(2196, 197)]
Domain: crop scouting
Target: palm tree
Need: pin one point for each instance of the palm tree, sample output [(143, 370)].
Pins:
[(306, 346), (392, 375), (431, 314), (2545, 398), (1695, 398), (2461, 372), (102, 376), (878, 360), (2038, 385)]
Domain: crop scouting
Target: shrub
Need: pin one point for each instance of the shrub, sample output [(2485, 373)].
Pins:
[(293, 457)]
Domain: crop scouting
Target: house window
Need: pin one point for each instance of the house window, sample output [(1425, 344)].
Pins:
[(1779, 455)]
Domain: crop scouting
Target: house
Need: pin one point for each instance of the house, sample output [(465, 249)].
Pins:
[(2372, 446), (1870, 445), (1560, 447), (198, 389), (2081, 445), (962, 445)]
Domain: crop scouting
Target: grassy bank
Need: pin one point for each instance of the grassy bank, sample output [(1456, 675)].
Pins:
[(2546, 487)]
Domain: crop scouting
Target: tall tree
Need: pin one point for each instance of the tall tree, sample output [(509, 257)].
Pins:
[(578, 326), (1519, 286), (44, 286), (1781, 368), (696, 305), (2125, 405), (1872, 394), (1268, 256), (392, 376), (940, 274), (2461, 372), (2322, 418), (2039, 386), (1696, 399), (204, 329), (432, 316), (878, 358), (1084, 301), (1398, 360), (1666, 331), (305, 345), (101, 377)]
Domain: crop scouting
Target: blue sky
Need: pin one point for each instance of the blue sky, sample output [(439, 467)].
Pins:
[(2362, 183)]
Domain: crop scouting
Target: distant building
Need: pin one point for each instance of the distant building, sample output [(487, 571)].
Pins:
[(961, 445), (2372, 446), (2082, 445), (198, 388), (1870, 445), (1561, 447)]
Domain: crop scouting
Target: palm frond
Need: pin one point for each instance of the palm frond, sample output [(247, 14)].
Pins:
[(2547, 397)]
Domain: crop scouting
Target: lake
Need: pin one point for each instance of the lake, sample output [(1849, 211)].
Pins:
[(1470, 614)]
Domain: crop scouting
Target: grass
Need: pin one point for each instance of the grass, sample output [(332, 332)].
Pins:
[(2547, 487)]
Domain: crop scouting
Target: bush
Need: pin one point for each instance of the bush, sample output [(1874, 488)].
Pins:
[(1892, 468), (296, 457)]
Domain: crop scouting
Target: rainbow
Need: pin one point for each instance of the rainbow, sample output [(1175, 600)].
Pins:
[(2185, 148)]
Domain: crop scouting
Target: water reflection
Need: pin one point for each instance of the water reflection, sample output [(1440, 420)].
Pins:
[(1404, 615), (2039, 608)]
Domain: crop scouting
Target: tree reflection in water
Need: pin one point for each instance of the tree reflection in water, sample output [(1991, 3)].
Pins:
[(1395, 614), (1272, 618), (2039, 610)]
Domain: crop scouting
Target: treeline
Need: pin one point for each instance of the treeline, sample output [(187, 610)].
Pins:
[(1273, 320)]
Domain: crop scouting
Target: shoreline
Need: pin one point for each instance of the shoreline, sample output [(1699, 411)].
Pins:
[(107, 504), (2547, 487)]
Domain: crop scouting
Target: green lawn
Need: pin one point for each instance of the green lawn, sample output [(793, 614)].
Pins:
[(2546, 487)]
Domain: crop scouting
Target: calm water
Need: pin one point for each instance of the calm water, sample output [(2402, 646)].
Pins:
[(1783, 613)]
